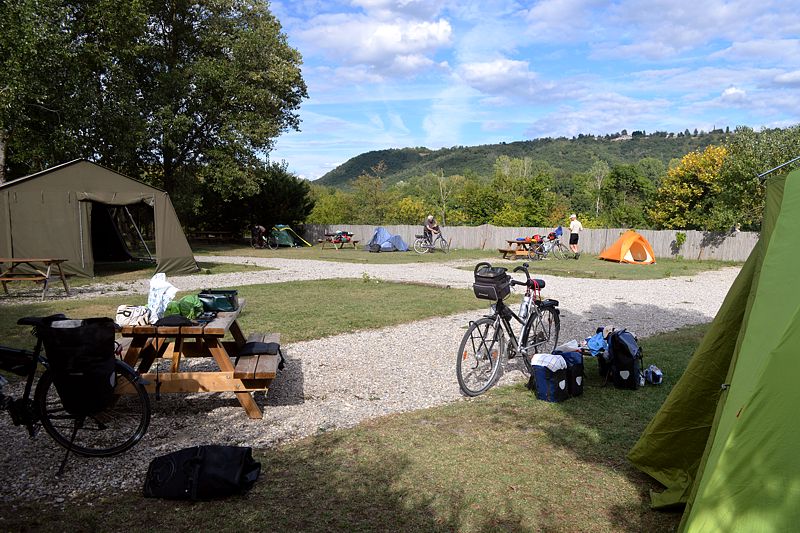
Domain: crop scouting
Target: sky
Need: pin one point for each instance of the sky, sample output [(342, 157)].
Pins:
[(442, 73)]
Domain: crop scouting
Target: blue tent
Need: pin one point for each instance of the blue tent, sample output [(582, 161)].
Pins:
[(387, 241)]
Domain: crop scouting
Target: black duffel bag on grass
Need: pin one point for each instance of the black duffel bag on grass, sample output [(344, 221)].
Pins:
[(202, 473)]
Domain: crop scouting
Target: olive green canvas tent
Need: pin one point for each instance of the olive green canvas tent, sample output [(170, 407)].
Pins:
[(62, 212), (725, 441)]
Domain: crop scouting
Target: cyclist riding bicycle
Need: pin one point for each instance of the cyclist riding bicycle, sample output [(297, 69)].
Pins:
[(430, 228)]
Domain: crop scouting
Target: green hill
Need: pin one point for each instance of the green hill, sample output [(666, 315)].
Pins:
[(570, 155)]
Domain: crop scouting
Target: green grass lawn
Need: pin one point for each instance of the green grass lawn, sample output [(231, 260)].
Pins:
[(501, 462), (345, 255), (588, 266), (299, 310)]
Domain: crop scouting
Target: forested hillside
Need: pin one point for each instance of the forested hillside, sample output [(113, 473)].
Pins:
[(684, 181), (567, 155)]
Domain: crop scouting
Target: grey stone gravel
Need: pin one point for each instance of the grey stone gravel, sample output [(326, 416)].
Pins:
[(339, 381)]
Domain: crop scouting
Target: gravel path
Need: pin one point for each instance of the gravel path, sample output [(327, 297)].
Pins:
[(339, 381)]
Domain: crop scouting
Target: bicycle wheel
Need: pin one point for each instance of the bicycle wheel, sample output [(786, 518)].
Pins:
[(478, 360), (111, 431), (535, 252), (540, 334), (255, 242), (443, 244), (558, 250), (421, 246), (272, 242), (564, 252)]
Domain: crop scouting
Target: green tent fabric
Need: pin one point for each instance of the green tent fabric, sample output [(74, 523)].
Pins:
[(286, 236), (724, 441), (50, 214)]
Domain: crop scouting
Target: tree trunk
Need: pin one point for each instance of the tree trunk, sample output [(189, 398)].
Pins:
[(3, 145)]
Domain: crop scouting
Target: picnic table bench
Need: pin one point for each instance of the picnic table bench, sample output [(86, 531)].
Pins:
[(242, 365), (10, 273), (516, 249)]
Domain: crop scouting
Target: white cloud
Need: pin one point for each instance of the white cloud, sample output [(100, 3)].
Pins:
[(361, 40), (507, 79), (788, 78), (734, 95), (390, 9), (764, 51)]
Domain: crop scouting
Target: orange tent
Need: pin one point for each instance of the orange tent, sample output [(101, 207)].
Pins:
[(630, 248)]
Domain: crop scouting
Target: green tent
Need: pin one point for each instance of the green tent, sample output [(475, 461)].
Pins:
[(286, 236), (725, 442), (62, 213)]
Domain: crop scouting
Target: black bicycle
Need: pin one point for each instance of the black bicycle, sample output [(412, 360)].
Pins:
[(484, 344), (99, 423)]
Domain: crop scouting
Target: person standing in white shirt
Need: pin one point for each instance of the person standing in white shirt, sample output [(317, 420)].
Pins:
[(574, 228)]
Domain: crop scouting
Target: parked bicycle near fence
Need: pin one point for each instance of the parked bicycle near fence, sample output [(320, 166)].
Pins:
[(491, 338), (423, 245), (550, 247), (87, 400)]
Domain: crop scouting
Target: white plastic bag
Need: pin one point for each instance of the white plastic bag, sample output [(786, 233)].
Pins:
[(162, 292), (571, 346)]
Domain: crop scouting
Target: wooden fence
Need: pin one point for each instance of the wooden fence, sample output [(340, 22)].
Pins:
[(698, 245)]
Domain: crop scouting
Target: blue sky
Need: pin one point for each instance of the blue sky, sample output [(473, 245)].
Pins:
[(441, 73)]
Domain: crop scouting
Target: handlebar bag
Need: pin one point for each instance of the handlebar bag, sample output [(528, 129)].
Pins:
[(202, 473), (491, 283), (81, 357)]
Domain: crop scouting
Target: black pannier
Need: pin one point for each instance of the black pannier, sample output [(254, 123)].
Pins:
[(624, 364), (202, 473), (81, 357), (219, 300), (491, 283)]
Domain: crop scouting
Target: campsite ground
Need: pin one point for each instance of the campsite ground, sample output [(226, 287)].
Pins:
[(332, 457)]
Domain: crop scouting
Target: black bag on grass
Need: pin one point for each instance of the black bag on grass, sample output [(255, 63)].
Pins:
[(202, 473), (624, 360), (81, 357)]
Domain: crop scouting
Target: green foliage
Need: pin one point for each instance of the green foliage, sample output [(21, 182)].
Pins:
[(624, 195), (187, 96), (570, 156), (689, 193), (680, 239)]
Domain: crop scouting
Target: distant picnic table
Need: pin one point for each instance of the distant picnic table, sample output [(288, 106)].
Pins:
[(11, 273)]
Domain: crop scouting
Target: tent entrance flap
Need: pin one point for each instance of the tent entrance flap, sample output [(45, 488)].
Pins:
[(115, 234)]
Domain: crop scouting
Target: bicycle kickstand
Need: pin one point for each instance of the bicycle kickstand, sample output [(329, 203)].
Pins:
[(75, 428)]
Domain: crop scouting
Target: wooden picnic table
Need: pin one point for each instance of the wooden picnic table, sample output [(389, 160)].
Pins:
[(335, 240), (241, 375), (516, 249), (11, 273)]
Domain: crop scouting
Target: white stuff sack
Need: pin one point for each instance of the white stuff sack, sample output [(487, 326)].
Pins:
[(132, 315), (162, 292)]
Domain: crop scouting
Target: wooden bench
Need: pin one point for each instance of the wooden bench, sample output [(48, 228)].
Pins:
[(33, 272), (259, 366)]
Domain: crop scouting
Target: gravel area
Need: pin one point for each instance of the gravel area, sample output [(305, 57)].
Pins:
[(338, 381)]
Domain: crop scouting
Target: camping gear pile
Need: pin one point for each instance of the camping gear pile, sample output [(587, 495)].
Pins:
[(559, 375), (342, 237), (161, 305)]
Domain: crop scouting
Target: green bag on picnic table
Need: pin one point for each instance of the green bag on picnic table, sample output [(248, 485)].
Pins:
[(189, 306)]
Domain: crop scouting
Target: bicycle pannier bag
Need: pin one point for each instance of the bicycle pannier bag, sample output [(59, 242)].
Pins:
[(549, 377), (491, 283), (625, 360), (81, 358), (202, 473), (219, 300), (574, 362)]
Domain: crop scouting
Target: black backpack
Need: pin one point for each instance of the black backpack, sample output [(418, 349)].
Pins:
[(202, 473), (623, 360)]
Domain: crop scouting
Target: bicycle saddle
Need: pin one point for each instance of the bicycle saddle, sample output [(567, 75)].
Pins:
[(39, 320)]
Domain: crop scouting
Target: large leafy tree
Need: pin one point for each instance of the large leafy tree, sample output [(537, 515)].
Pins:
[(750, 153), (625, 195), (690, 192), (188, 95)]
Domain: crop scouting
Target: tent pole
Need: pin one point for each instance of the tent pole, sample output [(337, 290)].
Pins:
[(770, 171), (139, 233)]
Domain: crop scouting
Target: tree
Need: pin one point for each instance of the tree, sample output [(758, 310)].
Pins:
[(331, 207), (625, 195), (690, 190), (741, 199), (33, 52), (598, 173), (283, 198), (186, 95)]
